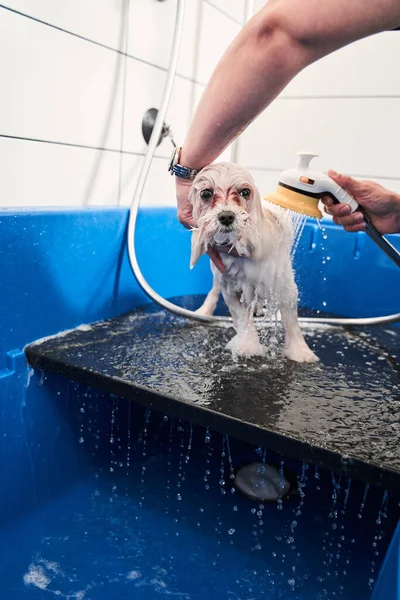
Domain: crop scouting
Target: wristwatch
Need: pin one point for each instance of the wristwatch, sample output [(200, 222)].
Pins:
[(176, 169)]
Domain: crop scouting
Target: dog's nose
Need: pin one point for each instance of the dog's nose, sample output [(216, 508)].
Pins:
[(226, 217)]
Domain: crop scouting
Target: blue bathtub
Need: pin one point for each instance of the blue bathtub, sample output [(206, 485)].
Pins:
[(63, 268)]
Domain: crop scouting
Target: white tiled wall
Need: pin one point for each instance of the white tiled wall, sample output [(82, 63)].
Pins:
[(63, 88), (345, 107), (63, 81)]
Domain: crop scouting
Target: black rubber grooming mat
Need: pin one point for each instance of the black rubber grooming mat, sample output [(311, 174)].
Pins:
[(343, 413)]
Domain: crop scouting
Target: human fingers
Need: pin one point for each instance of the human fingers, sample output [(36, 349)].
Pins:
[(349, 222), (345, 181), (338, 210), (185, 219), (327, 201)]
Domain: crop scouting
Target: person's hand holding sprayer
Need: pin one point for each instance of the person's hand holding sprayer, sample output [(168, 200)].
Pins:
[(381, 206), (281, 40)]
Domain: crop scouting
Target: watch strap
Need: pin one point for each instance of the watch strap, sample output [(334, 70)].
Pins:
[(184, 172)]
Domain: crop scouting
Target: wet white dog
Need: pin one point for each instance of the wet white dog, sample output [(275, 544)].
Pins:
[(228, 211)]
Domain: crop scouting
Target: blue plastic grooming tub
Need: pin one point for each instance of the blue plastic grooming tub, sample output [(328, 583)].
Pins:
[(101, 498)]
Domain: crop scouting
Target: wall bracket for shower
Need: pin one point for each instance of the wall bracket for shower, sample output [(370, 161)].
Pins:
[(148, 122)]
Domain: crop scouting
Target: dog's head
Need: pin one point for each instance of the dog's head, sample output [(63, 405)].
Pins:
[(226, 209)]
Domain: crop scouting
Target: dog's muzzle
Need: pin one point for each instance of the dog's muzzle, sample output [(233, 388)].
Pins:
[(226, 218)]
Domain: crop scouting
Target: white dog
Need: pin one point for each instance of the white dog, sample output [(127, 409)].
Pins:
[(228, 211)]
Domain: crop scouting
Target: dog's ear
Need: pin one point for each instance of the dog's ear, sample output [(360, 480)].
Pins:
[(198, 247), (258, 203)]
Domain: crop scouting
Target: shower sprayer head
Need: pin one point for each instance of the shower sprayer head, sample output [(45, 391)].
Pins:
[(300, 189)]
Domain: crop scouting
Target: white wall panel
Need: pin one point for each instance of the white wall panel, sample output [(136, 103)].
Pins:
[(36, 174), (364, 68), (352, 135), (234, 8), (149, 25), (59, 87), (216, 33)]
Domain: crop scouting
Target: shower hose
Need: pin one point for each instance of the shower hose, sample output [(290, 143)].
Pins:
[(158, 126)]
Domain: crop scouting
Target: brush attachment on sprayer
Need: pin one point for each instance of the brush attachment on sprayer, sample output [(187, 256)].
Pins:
[(296, 201)]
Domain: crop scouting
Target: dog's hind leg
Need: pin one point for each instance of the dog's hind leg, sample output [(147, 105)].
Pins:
[(208, 307), (296, 347)]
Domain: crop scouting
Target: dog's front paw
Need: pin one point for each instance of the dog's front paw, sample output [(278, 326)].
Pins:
[(244, 344), (301, 353)]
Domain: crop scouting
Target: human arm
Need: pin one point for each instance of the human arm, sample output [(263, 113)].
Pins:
[(275, 45)]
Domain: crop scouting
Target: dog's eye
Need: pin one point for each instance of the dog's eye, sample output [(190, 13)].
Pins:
[(206, 194), (245, 192)]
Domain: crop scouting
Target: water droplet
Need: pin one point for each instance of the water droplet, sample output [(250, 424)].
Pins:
[(81, 440), (231, 531)]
